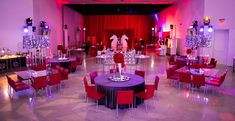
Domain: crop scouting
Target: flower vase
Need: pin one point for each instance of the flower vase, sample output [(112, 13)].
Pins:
[(119, 67)]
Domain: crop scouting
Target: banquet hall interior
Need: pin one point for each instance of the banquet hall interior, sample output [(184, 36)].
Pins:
[(128, 60)]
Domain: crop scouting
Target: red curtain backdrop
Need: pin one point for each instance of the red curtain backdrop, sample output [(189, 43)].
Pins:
[(102, 27)]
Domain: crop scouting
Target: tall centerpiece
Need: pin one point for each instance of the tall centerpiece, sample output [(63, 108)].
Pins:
[(118, 59)]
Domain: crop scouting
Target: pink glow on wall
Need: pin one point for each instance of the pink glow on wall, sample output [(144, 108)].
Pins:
[(181, 15)]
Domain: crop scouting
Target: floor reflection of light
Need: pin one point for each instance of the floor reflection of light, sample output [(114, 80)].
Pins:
[(186, 92), (6, 93), (152, 62)]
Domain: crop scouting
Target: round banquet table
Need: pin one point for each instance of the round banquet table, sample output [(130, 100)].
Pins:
[(110, 88), (63, 63)]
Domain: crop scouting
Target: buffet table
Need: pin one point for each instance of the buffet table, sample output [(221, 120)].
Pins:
[(110, 88), (11, 62)]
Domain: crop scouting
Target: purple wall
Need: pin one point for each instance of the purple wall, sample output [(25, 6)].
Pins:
[(74, 21)]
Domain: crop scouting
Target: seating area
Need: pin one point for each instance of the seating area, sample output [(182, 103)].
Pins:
[(117, 60)]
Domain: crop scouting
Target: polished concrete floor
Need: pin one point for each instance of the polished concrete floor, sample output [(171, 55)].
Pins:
[(169, 104)]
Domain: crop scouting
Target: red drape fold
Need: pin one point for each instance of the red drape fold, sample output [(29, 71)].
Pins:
[(102, 27)]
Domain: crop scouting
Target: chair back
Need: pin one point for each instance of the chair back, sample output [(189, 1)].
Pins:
[(125, 97), (149, 91), (39, 82), (185, 77), (140, 73), (222, 78), (156, 82), (85, 84), (212, 62), (171, 60), (79, 59), (199, 79), (92, 76), (73, 64), (169, 72), (54, 79), (10, 81)]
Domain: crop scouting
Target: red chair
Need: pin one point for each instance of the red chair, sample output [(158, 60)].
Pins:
[(16, 85), (111, 70), (197, 65), (199, 80), (185, 78), (39, 67), (87, 87), (92, 92), (212, 63), (73, 66), (156, 82), (79, 59), (147, 94), (124, 97), (140, 73), (171, 60), (218, 81), (39, 83), (54, 79), (92, 76), (64, 73), (171, 74)]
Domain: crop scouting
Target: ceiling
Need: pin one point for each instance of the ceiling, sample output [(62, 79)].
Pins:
[(118, 9), (117, 1)]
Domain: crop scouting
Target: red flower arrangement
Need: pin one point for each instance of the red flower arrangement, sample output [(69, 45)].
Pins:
[(119, 58), (188, 51)]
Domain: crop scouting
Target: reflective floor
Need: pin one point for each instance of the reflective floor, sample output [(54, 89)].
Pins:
[(169, 104)]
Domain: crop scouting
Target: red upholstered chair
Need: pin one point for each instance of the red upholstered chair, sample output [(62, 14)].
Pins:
[(180, 63), (92, 92), (140, 73), (147, 94), (199, 80), (92, 76), (124, 97), (73, 66), (171, 60), (156, 82), (197, 65), (111, 70), (218, 81), (39, 67), (64, 73), (212, 63), (86, 86), (79, 59), (185, 78), (16, 85), (54, 79), (39, 83), (171, 74)]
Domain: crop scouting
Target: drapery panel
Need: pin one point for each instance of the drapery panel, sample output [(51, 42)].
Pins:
[(102, 27)]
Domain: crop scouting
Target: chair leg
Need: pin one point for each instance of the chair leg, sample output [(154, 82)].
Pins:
[(97, 103), (146, 110), (116, 110)]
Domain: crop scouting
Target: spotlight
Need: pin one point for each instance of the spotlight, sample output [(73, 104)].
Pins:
[(191, 27), (201, 29), (84, 29), (46, 27), (153, 28), (210, 29), (29, 21), (26, 30), (206, 21)]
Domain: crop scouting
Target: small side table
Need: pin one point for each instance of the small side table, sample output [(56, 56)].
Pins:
[(233, 64)]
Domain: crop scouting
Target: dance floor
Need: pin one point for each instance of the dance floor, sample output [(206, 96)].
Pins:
[(169, 104)]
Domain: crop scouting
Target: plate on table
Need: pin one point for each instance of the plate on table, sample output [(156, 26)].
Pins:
[(118, 79)]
